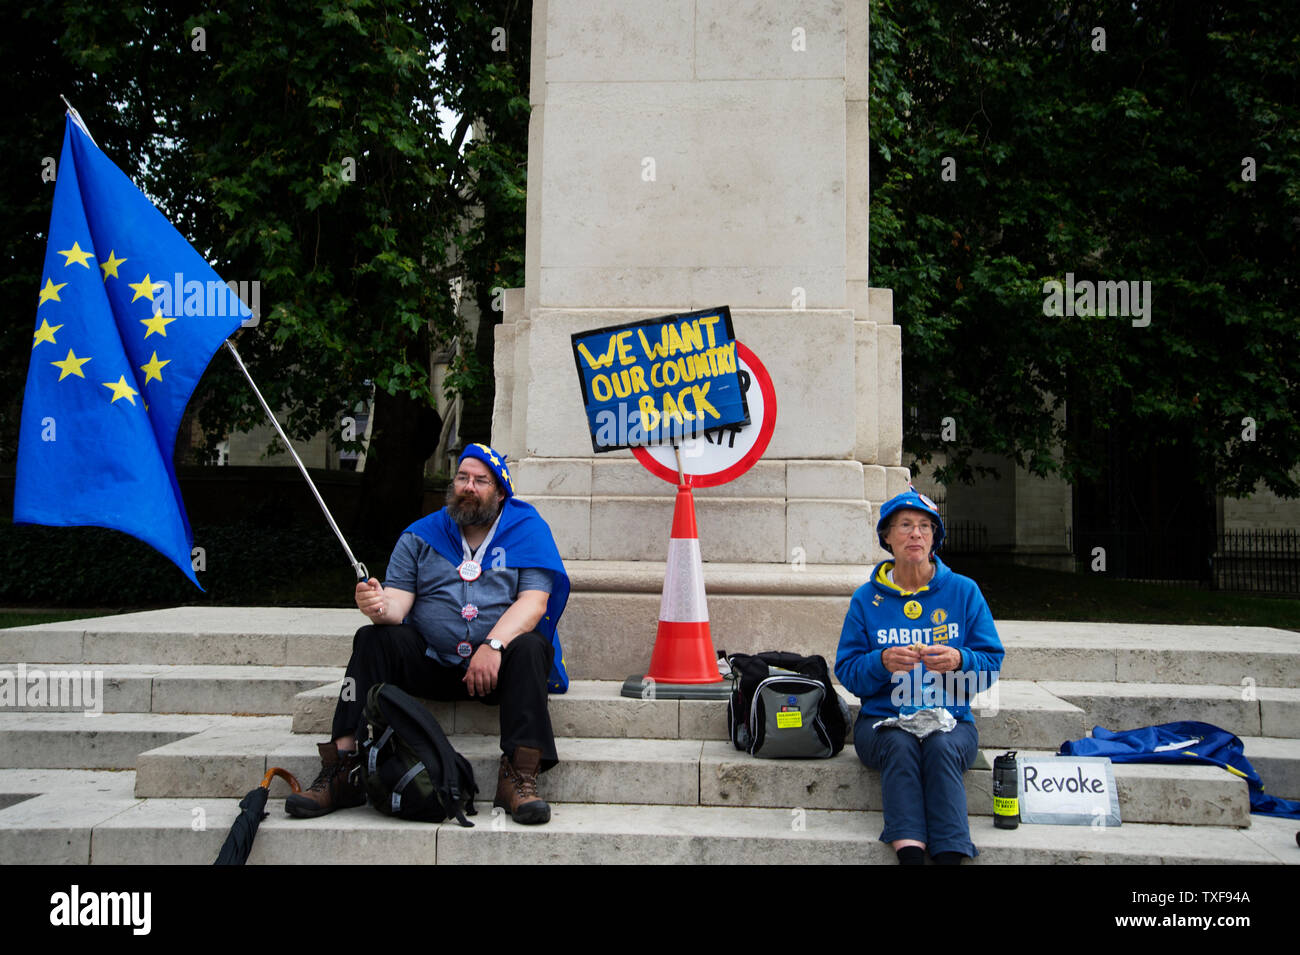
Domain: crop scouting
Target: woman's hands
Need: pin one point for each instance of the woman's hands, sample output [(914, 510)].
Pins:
[(938, 658)]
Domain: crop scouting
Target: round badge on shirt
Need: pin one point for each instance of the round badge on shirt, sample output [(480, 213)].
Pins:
[(469, 611), (912, 609), (469, 570)]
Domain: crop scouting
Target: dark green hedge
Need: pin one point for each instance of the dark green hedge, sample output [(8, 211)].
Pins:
[(247, 563)]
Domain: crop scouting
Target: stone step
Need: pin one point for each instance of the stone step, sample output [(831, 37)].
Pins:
[(243, 636), (1150, 653), (49, 814), (1018, 714), (68, 826), (1243, 711), (80, 741), (1180, 795), (221, 761), (144, 688), (749, 611), (1278, 763)]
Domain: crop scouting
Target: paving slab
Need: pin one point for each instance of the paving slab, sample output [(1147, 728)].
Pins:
[(165, 831), (191, 832), (155, 688), (32, 782), (1279, 712), (593, 708), (54, 828), (1022, 715), (590, 708), (1013, 713), (65, 687), (1277, 761), (225, 760), (1129, 844), (53, 740), (639, 835), (235, 689), (229, 759), (661, 772), (55, 642), (193, 635), (1150, 653), (313, 709), (1276, 836), (1255, 711), (661, 835)]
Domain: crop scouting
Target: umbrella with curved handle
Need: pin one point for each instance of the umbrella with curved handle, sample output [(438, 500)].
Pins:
[(239, 843)]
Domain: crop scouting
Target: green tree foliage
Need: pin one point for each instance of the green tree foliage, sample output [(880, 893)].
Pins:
[(299, 144), (1122, 163)]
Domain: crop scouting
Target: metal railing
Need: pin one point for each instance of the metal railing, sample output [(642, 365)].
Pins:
[(965, 537), (1249, 561), (1258, 561)]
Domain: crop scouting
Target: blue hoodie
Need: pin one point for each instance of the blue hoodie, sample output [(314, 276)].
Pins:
[(950, 610)]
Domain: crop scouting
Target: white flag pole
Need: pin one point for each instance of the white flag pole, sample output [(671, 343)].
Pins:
[(76, 118), (360, 568)]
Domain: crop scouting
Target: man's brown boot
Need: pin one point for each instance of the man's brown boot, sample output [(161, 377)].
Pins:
[(336, 787), (517, 788)]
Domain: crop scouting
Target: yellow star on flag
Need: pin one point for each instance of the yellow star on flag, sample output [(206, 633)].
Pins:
[(121, 389), (110, 267), (153, 370), (75, 254), (144, 289), (70, 366), (45, 333), (156, 324), (50, 292)]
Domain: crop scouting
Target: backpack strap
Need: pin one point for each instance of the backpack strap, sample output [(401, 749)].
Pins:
[(422, 733)]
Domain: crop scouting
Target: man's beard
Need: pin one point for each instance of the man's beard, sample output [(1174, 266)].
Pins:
[(469, 510)]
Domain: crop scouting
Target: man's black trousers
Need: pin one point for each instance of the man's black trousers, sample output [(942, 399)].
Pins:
[(395, 654)]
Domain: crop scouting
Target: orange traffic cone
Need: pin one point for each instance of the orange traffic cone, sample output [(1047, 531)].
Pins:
[(683, 650)]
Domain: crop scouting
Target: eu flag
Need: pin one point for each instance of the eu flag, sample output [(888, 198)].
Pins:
[(128, 317)]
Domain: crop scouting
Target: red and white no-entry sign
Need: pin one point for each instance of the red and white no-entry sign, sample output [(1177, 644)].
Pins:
[(723, 454)]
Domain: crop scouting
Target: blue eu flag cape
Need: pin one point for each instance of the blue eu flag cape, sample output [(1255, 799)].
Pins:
[(525, 541), (127, 320), (1182, 742)]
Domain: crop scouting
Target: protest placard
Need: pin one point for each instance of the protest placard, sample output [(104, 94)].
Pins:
[(660, 381)]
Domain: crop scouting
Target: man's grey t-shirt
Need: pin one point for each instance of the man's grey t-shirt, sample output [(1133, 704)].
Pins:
[(440, 595)]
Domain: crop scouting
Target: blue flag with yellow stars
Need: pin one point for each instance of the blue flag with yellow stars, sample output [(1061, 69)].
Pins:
[(128, 317)]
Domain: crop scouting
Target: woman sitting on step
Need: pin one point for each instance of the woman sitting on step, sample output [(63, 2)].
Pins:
[(918, 642)]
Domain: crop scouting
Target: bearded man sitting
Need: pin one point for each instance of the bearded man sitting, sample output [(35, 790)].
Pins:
[(467, 610)]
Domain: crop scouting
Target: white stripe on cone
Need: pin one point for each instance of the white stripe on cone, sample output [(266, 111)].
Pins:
[(683, 596)]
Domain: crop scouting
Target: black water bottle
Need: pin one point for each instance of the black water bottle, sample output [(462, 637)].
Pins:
[(1006, 792)]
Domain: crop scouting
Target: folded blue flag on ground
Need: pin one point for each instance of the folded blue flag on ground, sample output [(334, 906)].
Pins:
[(128, 317), (1181, 742)]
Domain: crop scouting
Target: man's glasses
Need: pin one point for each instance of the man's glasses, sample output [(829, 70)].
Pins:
[(478, 480)]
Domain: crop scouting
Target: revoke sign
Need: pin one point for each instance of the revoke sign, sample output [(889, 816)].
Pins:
[(1068, 790)]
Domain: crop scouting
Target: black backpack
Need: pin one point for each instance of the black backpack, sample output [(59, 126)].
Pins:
[(783, 705), (408, 768)]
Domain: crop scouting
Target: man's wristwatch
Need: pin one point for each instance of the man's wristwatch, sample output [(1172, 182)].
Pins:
[(496, 644)]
